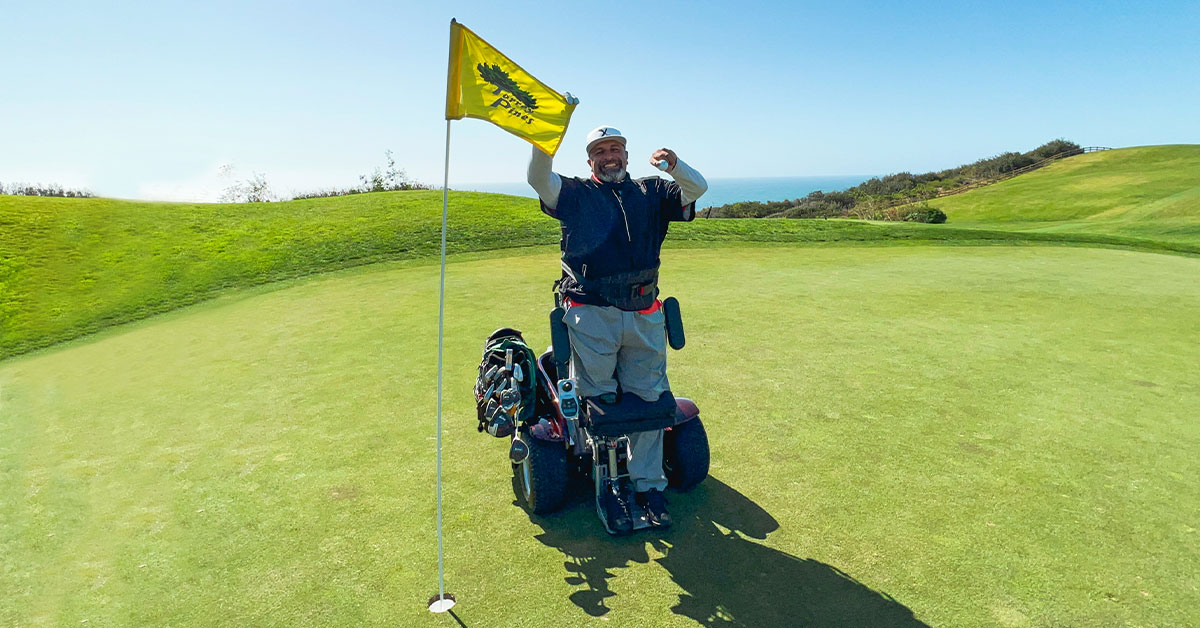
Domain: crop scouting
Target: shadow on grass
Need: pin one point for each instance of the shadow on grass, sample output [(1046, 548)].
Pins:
[(727, 578)]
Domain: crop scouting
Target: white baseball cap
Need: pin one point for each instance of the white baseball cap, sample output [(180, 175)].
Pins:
[(603, 133)]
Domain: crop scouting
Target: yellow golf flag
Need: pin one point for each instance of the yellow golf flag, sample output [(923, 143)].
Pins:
[(485, 84)]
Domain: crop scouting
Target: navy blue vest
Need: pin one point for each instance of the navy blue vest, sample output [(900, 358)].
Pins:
[(613, 228)]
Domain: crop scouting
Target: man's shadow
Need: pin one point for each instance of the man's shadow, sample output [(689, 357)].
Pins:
[(727, 578)]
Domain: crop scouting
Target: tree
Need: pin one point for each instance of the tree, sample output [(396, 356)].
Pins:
[(252, 190), (498, 77), (389, 179)]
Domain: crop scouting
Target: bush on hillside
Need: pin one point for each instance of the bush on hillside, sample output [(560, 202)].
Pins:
[(252, 190), (887, 185), (747, 209), (1059, 146), (817, 204), (820, 204), (389, 178), (924, 213), (52, 189)]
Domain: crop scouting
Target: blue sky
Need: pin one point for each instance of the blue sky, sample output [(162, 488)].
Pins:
[(149, 100)]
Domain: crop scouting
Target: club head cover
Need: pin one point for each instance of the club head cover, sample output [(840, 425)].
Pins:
[(518, 452), (501, 426)]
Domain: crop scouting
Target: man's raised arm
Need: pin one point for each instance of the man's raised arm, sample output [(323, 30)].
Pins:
[(544, 181), (691, 184)]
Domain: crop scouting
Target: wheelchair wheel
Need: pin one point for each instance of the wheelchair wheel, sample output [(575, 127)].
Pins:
[(540, 482), (685, 454)]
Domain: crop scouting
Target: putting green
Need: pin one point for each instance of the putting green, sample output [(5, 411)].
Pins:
[(901, 436)]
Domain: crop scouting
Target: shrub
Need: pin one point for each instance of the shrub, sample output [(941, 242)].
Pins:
[(886, 186), (1056, 147), (386, 179), (326, 193), (252, 190), (38, 189), (925, 213), (390, 179), (749, 209)]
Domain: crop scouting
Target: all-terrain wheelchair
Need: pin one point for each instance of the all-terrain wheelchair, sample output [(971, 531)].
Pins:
[(555, 433)]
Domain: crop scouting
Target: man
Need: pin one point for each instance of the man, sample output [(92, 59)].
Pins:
[(613, 227)]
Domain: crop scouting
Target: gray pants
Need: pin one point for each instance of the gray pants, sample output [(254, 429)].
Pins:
[(610, 345)]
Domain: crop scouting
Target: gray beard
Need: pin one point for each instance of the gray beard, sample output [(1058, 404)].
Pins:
[(610, 176)]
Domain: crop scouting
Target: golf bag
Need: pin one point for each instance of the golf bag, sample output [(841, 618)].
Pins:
[(505, 390)]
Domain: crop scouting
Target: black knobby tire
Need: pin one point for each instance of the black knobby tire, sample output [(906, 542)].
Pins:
[(541, 481), (685, 454)]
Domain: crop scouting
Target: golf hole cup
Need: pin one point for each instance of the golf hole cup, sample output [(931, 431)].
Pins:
[(441, 603)]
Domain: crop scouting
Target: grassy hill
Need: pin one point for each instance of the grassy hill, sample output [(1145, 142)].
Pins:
[(1148, 192), (70, 266)]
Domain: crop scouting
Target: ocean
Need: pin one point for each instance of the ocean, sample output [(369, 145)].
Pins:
[(720, 191)]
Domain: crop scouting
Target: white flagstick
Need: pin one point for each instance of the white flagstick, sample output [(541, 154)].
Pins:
[(441, 602)]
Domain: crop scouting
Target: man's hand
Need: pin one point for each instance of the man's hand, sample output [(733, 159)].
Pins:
[(664, 154)]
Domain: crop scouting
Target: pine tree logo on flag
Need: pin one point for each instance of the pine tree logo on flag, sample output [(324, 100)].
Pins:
[(503, 82)]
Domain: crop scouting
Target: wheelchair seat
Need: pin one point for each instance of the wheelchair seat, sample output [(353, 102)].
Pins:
[(629, 413)]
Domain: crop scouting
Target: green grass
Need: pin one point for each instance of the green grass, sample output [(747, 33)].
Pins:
[(947, 436), (1147, 193), (69, 267), (72, 266), (903, 435)]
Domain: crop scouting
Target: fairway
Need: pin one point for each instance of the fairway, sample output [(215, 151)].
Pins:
[(901, 436)]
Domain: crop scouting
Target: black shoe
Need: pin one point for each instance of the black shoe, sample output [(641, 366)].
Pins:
[(655, 504), (617, 510)]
